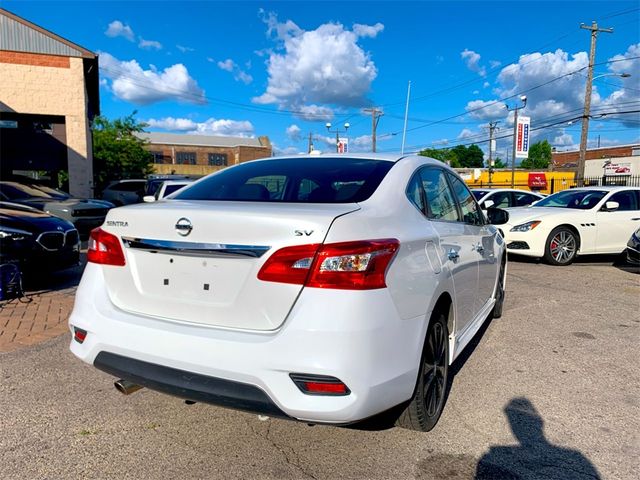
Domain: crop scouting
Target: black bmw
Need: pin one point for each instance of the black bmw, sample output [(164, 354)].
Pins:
[(36, 240)]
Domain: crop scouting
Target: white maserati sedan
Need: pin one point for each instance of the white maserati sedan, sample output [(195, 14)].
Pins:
[(319, 288), (579, 221)]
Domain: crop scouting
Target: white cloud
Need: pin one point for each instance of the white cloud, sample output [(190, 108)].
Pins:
[(130, 82), (620, 100), (184, 49), (442, 141), (486, 85), (238, 74), (277, 151), (494, 63), (370, 31), (314, 113), (476, 92), (481, 110), (472, 59), (149, 44), (212, 126), (563, 140), (439, 59), (465, 133), (173, 124), (310, 68), (294, 133), (227, 65), (119, 29)]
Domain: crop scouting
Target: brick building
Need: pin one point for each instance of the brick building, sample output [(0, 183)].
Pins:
[(202, 154), (570, 159), (48, 97)]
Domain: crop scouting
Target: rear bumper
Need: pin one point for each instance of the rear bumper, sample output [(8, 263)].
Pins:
[(358, 339), (179, 383)]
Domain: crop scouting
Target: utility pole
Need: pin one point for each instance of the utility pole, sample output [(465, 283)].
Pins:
[(310, 142), (587, 97), (406, 117), (375, 118), (492, 128)]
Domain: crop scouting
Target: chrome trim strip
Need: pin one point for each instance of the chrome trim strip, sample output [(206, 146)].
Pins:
[(194, 249), (57, 232)]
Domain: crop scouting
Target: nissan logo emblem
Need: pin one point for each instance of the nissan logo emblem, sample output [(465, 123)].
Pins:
[(184, 227)]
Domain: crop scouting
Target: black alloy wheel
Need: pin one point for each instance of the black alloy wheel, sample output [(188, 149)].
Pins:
[(428, 401), (497, 308)]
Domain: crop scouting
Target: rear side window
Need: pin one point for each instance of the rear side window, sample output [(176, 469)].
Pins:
[(442, 204), (293, 180), (468, 206)]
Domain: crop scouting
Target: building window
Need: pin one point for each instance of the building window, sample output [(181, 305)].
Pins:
[(186, 158), (218, 159), (158, 157)]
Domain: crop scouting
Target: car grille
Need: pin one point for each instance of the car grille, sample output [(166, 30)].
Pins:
[(90, 212), (52, 241)]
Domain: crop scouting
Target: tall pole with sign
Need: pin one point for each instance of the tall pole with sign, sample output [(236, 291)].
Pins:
[(517, 152)]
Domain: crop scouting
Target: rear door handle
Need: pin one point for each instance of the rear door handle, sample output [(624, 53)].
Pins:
[(634, 219), (453, 255), (479, 248)]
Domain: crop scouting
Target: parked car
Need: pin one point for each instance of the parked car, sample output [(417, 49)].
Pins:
[(633, 248), (155, 181), (505, 197), (167, 188), (315, 288), (62, 195), (124, 192), (36, 240), (579, 221), (84, 214)]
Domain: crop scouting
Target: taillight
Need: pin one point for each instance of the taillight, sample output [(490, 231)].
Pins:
[(105, 248), (319, 384), (359, 265)]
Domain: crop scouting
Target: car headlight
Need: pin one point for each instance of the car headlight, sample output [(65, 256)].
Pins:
[(13, 233), (525, 227)]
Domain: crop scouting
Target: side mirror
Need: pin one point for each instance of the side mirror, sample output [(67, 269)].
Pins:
[(487, 204), (611, 206), (148, 199), (497, 216)]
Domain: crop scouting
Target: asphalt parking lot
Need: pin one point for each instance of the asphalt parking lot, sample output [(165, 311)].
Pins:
[(550, 390)]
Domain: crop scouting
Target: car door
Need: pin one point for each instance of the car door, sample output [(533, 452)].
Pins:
[(456, 242), (483, 243), (614, 228)]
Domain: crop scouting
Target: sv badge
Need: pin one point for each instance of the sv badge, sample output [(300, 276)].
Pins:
[(300, 233)]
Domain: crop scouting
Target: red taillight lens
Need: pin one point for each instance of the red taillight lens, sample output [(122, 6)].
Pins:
[(289, 264), (105, 248), (359, 265), (79, 335)]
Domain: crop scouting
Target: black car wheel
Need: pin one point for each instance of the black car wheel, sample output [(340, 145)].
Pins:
[(428, 400)]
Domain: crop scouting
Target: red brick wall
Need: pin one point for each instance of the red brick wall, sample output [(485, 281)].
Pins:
[(37, 59), (560, 158), (202, 158)]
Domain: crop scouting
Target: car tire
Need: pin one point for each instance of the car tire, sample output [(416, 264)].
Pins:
[(561, 247), (497, 308), (431, 390)]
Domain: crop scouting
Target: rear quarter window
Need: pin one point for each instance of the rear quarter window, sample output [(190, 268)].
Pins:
[(293, 180)]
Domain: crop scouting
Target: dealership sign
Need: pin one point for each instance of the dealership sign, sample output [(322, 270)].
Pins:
[(617, 169), (343, 145), (522, 137)]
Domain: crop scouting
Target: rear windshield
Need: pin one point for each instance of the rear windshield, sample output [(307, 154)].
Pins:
[(294, 180)]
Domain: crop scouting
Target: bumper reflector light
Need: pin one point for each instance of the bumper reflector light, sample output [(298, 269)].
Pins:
[(79, 335), (319, 385)]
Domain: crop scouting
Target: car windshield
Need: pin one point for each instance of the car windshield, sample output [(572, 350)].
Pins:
[(578, 199), (294, 180), (16, 191), (51, 191), (479, 194)]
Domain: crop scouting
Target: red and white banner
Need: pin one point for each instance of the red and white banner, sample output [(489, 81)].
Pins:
[(522, 137), (343, 145)]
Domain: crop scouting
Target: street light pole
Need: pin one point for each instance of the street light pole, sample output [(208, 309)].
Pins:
[(523, 99), (337, 132)]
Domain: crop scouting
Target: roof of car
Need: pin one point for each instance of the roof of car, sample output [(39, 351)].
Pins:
[(184, 181), (390, 157), (492, 190), (606, 188)]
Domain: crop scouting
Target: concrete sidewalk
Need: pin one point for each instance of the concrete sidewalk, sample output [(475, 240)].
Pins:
[(40, 315)]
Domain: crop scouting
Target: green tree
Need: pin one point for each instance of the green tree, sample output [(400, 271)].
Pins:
[(539, 156), (445, 155), (118, 153), (469, 157)]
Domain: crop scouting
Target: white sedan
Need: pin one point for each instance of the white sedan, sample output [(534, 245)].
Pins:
[(505, 197), (320, 288), (573, 222)]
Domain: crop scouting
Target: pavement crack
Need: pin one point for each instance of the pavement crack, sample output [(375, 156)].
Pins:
[(291, 457)]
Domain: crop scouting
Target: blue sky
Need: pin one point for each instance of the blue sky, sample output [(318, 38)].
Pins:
[(283, 69)]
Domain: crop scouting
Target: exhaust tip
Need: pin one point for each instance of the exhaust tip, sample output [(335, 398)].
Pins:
[(126, 387)]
